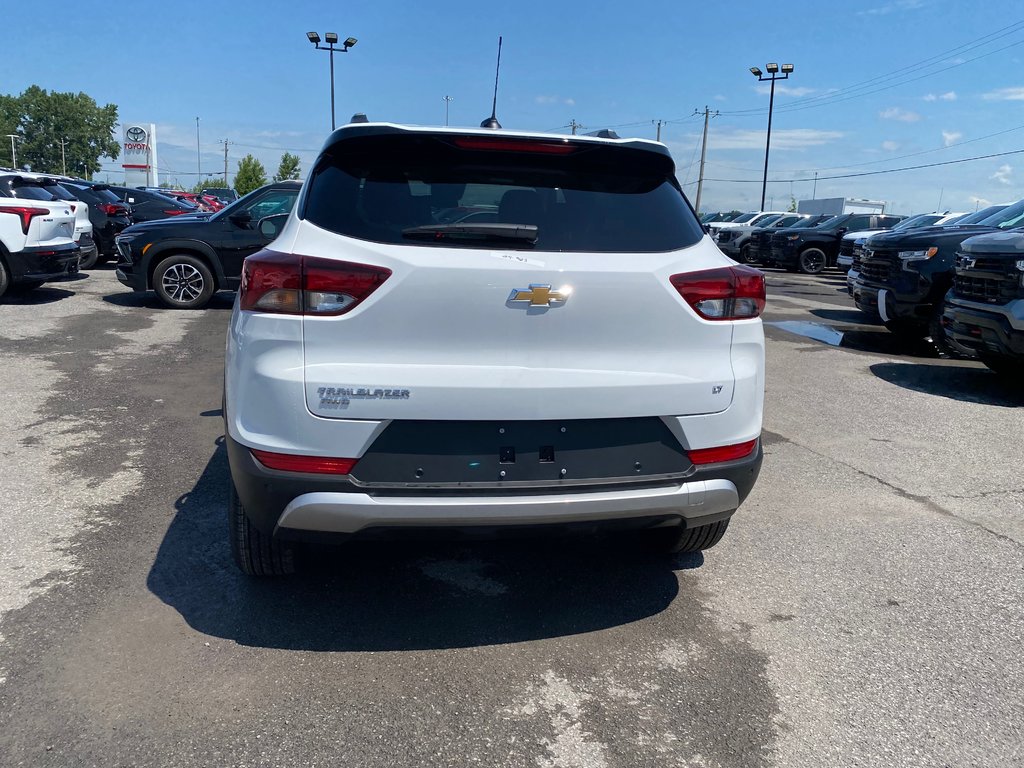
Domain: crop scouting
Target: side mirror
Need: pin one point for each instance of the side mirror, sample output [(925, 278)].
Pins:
[(242, 218), (842, 231), (271, 226)]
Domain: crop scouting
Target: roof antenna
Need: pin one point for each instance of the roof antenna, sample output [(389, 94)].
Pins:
[(492, 121)]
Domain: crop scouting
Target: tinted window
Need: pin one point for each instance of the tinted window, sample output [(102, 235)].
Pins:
[(743, 218), (272, 203), (92, 195), (597, 198), (921, 220), (765, 221), (978, 216), (59, 192), (31, 192), (1008, 218), (858, 221)]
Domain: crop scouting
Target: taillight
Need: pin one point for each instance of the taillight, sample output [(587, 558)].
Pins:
[(726, 293), (288, 462), (175, 212), (285, 283), (113, 209), (722, 453), (25, 213)]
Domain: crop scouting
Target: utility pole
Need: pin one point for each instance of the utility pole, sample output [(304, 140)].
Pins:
[(63, 162), (14, 154), (658, 123), (199, 161), (447, 100), (575, 126), (703, 151), (814, 191), (225, 162)]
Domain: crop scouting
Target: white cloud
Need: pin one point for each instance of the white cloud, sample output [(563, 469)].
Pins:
[(792, 138), (720, 97), (786, 90), (980, 202), (903, 115), (1005, 94), (899, 5), (951, 137), (947, 96), (546, 99), (890, 146), (1003, 175), (930, 97), (570, 102)]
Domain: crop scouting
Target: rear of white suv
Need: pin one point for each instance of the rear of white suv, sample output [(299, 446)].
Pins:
[(590, 359), (36, 235)]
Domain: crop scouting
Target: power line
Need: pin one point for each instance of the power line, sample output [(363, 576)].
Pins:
[(876, 173), (851, 91)]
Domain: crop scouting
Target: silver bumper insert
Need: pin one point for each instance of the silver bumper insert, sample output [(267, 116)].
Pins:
[(352, 512)]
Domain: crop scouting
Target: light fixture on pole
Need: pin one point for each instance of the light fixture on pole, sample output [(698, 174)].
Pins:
[(447, 101), (14, 153), (331, 38), (773, 72)]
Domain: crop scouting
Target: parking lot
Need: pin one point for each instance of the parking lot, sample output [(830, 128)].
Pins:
[(864, 609)]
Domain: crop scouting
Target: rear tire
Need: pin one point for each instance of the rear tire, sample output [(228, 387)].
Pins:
[(89, 261), (746, 257), (256, 554), (812, 261), (183, 282), (5, 277), (682, 540)]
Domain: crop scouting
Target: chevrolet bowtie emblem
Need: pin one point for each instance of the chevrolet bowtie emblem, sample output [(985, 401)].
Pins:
[(540, 295)]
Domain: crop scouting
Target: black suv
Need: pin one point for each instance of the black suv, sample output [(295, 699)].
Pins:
[(186, 259), (152, 206), (760, 246), (109, 216), (813, 249), (984, 310), (904, 276)]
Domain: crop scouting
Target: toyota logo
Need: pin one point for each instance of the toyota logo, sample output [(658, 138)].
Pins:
[(135, 134)]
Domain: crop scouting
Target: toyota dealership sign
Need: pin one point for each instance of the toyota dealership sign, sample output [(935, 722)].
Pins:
[(139, 163)]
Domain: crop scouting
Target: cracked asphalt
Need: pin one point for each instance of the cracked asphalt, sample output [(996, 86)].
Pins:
[(864, 609)]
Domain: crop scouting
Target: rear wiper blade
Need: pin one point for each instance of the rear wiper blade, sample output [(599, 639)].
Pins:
[(521, 233)]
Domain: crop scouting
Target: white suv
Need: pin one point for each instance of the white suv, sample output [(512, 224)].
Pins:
[(589, 359), (36, 235)]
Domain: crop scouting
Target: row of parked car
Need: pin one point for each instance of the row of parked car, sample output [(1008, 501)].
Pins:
[(955, 279), (52, 226)]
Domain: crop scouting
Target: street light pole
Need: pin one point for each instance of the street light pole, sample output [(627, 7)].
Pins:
[(63, 162), (447, 100), (773, 70), (331, 38), (14, 153)]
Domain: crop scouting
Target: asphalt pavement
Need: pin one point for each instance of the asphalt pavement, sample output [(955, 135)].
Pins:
[(864, 609)]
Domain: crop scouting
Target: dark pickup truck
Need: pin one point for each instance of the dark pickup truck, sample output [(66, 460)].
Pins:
[(984, 309), (813, 249), (904, 276)]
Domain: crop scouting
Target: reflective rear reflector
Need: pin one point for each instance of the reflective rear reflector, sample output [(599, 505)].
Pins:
[(722, 453), (288, 462)]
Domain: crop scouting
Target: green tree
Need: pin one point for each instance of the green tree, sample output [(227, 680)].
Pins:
[(209, 183), (792, 204), (251, 175), (288, 169), (46, 119)]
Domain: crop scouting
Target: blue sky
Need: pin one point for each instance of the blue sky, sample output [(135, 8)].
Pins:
[(250, 75)]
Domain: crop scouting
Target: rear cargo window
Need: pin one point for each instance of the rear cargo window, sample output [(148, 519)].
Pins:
[(594, 198), (31, 192)]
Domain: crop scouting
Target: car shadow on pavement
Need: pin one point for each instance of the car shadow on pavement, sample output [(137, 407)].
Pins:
[(970, 384), (36, 297), (148, 300), (403, 595)]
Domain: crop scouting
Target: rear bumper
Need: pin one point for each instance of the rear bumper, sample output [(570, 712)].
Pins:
[(292, 505), (42, 263)]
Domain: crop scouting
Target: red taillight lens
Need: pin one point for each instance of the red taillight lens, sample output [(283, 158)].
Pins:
[(727, 293), (114, 209), (305, 285), (516, 145), (321, 465), (175, 212), (722, 453), (25, 213)]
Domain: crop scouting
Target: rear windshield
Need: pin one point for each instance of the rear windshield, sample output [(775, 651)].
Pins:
[(1008, 218), (596, 198), (58, 191), (31, 191), (93, 195)]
